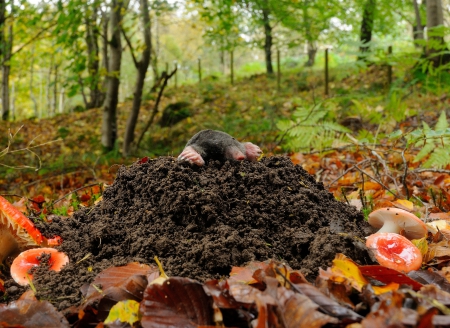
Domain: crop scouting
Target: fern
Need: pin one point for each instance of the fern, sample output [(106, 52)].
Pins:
[(309, 129), (434, 143)]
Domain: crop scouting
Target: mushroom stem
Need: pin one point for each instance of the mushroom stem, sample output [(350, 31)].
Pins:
[(390, 226)]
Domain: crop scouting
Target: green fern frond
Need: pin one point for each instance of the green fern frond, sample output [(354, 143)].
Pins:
[(333, 126), (440, 158), (442, 123), (425, 151)]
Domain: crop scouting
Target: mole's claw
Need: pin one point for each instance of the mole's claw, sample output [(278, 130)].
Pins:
[(192, 156)]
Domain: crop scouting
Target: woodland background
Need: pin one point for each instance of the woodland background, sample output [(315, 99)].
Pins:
[(84, 83)]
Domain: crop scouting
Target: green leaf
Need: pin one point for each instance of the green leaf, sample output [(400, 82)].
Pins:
[(442, 123), (396, 134), (426, 150), (439, 158), (124, 311)]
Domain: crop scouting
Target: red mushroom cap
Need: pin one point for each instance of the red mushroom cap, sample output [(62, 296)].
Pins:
[(31, 258), (391, 219), (395, 251), (17, 232)]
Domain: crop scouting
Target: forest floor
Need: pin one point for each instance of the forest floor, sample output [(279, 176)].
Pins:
[(201, 222)]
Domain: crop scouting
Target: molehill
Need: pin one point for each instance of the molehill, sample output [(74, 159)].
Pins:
[(201, 221)]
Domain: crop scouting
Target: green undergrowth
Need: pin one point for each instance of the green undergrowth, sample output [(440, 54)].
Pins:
[(295, 117)]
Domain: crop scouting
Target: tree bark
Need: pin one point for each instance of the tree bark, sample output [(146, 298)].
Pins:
[(312, 51), (435, 43), (6, 68), (109, 120), (141, 67), (418, 28), (5, 65), (268, 38), (92, 34), (366, 27), (32, 96)]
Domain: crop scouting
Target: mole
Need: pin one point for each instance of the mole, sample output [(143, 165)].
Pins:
[(208, 145)]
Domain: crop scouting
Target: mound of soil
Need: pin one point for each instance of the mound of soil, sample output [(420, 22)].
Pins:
[(201, 221)]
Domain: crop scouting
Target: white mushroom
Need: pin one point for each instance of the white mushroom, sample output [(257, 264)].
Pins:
[(391, 219)]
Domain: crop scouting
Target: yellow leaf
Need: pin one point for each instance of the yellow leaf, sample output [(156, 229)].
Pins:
[(421, 244), (348, 269), (124, 311), (405, 204)]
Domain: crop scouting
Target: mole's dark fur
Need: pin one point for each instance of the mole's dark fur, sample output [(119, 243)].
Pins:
[(217, 145)]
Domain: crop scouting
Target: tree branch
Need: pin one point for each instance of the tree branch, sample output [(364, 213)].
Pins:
[(136, 63)]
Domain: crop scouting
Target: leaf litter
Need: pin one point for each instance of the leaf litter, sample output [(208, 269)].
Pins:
[(202, 222)]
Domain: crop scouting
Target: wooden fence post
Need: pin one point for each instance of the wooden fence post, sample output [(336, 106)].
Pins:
[(199, 69), (176, 74), (232, 67), (326, 73), (389, 68), (278, 71)]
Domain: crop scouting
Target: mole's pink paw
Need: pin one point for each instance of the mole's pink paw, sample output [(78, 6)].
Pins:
[(189, 154), (252, 151)]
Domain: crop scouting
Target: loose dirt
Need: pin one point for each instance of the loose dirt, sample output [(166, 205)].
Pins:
[(201, 221)]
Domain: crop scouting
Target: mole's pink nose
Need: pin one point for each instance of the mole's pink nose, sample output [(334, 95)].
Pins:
[(240, 157)]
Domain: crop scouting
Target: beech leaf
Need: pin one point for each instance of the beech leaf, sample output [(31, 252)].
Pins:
[(124, 311), (178, 302), (31, 313)]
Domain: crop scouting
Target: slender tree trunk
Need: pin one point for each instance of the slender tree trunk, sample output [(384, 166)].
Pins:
[(92, 34), (268, 38), (32, 97), (105, 56), (55, 90), (4, 111), (141, 67), (418, 28), (6, 68), (47, 88), (109, 122), (366, 27), (312, 51), (436, 44), (155, 51)]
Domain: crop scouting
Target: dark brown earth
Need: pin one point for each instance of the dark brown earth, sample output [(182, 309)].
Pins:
[(201, 221)]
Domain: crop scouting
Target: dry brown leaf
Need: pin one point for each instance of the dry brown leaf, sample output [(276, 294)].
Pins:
[(178, 302), (299, 311), (31, 313)]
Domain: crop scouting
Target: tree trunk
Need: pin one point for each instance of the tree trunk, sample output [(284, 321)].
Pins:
[(55, 91), (105, 56), (418, 28), (32, 97), (366, 27), (5, 109), (109, 120), (141, 67), (312, 51), (92, 34), (435, 43), (6, 68), (268, 39)]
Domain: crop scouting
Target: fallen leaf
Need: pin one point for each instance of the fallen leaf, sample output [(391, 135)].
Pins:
[(178, 302), (31, 313), (124, 311), (386, 275)]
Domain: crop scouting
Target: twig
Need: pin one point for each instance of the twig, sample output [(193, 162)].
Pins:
[(18, 196), (71, 192), (405, 174), (377, 181), (155, 107), (346, 171), (386, 169), (431, 170)]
